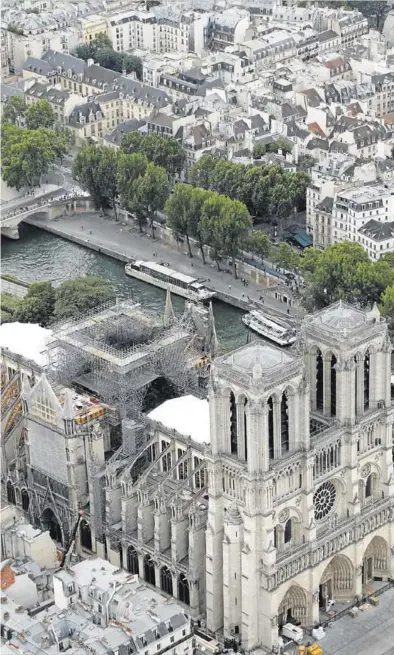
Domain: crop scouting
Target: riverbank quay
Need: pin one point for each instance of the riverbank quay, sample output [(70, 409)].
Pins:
[(122, 242)]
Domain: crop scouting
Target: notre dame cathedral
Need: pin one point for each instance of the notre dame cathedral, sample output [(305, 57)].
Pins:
[(289, 506)]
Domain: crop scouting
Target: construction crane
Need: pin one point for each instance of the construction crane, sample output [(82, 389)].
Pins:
[(69, 549)]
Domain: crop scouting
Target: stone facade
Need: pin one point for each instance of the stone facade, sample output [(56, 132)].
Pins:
[(300, 475)]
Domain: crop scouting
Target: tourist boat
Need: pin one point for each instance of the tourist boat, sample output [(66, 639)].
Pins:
[(270, 328), (166, 278)]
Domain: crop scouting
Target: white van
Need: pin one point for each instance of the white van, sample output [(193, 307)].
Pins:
[(293, 632)]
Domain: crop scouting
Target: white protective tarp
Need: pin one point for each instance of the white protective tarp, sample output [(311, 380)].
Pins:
[(26, 339), (188, 415)]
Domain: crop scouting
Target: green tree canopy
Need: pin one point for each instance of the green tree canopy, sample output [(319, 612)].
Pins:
[(264, 189), (259, 150), (259, 244), (387, 307), (27, 155), (343, 271), (14, 110), (40, 114), (151, 191), (38, 304), (286, 257), (177, 209), (96, 169), (158, 150), (76, 296), (130, 168), (103, 53)]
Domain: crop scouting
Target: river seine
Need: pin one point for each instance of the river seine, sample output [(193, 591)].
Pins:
[(40, 256)]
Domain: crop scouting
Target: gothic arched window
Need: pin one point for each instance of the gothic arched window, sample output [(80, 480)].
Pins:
[(149, 570), (166, 580), (246, 429), (288, 529), (368, 487), (183, 589), (25, 500), (333, 383), (233, 425), (86, 535), (11, 493), (132, 561), (271, 449), (319, 380), (366, 380), (284, 423)]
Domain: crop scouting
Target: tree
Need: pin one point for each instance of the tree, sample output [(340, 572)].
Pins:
[(260, 244), (131, 142), (235, 227), (198, 198), (387, 307), (177, 209), (211, 225), (280, 144), (389, 258), (40, 114), (96, 169), (305, 163), (151, 191), (38, 304), (224, 225), (81, 294), (132, 64), (343, 271), (103, 53), (285, 257), (27, 155), (14, 110), (130, 168), (258, 150), (374, 10), (310, 259), (158, 150), (201, 173)]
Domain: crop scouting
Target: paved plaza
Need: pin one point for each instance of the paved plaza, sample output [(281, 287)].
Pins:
[(370, 633)]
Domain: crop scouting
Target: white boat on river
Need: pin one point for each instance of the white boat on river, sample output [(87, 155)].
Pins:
[(166, 278), (271, 329)]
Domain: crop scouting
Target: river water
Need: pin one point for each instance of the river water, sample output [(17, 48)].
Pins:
[(39, 256)]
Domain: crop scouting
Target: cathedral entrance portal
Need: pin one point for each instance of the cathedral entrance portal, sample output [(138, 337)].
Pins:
[(50, 523), (337, 581), (375, 560), (293, 607)]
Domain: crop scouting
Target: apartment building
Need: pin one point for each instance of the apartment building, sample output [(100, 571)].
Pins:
[(106, 97), (162, 29)]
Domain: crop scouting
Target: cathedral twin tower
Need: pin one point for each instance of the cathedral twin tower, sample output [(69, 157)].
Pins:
[(299, 475)]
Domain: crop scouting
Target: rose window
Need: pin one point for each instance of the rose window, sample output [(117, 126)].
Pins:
[(324, 500)]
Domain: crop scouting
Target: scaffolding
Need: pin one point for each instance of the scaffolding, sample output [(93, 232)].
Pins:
[(117, 351)]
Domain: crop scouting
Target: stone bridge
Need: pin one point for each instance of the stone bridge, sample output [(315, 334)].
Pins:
[(52, 203)]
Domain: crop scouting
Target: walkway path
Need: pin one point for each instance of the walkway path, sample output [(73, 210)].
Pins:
[(92, 229)]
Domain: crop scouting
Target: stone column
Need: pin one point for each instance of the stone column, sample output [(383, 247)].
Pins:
[(345, 393), (359, 372), (277, 428), (232, 572), (265, 457), (214, 564), (294, 423), (255, 437), (162, 527), (145, 518), (327, 385), (241, 409), (220, 414), (310, 365), (179, 536)]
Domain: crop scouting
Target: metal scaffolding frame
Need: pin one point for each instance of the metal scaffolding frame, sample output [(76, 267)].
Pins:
[(117, 350)]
